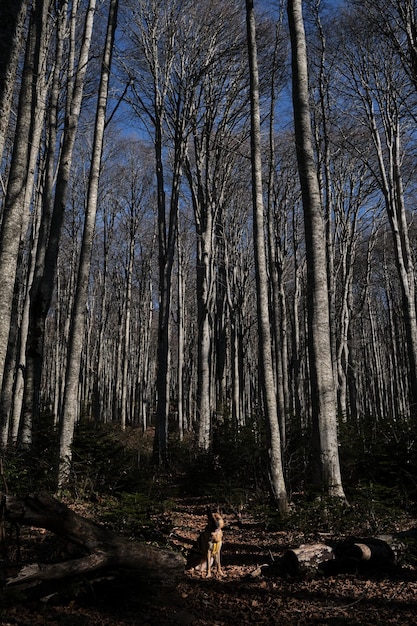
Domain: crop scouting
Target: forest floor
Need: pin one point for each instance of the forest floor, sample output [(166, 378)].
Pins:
[(236, 599)]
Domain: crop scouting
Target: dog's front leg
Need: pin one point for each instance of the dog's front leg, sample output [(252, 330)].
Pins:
[(208, 575), (218, 564)]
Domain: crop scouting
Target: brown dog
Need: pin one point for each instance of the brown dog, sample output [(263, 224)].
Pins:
[(208, 546)]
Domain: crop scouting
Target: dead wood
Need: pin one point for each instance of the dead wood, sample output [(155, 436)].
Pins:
[(103, 548), (351, 555), (306, 558)]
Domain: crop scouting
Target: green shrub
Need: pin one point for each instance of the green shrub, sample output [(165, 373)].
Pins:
[(101, 463), (29, 469)]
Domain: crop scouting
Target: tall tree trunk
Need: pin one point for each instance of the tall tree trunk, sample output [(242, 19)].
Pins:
[(167, 238), (70, 406), (12, 19), (35, 169), (204, 358), (276, 268), (323, 395), (127, 305), (51, 225), (264, 321), (181, 326), (14, 207)]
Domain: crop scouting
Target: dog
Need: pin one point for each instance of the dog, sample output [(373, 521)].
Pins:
[(205, 553)]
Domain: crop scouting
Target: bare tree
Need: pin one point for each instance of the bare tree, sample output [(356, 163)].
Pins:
[(384, 112), (264, 320), (218, 126), (70, 412), (20, 180), (54, 206), (12, 18), (323, 397), (155, 99)]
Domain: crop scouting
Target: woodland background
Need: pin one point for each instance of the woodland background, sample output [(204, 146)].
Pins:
[(129, 248), (207, 261)]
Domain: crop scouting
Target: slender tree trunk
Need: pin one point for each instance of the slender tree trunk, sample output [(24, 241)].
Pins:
[(167, 238), (327, 179), (124, 414), (323, 395), (146, 365), (69, 412), (12, 19), (51, 225), (16, 195), (181, 325), (34, 164), (296, 341), (236, 382), (204, 358), (166, 253), (276, 262), (264, 322)]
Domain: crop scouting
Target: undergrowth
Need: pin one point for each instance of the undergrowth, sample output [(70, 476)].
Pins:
[(114, 469)]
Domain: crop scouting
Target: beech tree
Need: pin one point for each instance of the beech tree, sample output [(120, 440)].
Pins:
[(21, 176), (264, 321), (384, 113), (54, 205), (154, 48), (323, 397), (217, 125), (12, 17), (71, 395)]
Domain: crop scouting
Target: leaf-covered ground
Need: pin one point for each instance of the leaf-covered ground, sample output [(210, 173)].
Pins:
[(119, 599)]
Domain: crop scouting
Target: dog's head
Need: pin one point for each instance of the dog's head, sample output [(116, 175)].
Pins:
[(215, 520)]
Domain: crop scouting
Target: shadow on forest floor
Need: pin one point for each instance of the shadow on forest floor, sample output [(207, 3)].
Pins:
[(120, 598)]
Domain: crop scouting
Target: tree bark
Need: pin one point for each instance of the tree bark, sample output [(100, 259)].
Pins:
[(103, 548), (351, 555), (14, 205), (306, 559), (12, 19), (264, 322), (70, 407), (50, 235), (125, 414), (323, 396)]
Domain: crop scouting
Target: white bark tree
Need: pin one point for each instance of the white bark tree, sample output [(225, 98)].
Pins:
[(12, 20), (54, 202), (385, 113), (21, 176), (217, 125), (71, 395), (323, 396), (264, 321)]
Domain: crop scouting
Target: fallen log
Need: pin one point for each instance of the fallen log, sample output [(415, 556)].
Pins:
[(101, 547), (350, 555), (306, 558)]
